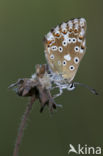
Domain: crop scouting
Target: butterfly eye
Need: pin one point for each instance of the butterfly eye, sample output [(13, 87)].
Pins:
[(71, 67), (76, 49), (71, 87), (64, 63), (60, 49), (76, 60), (52, 56), (64, 43)]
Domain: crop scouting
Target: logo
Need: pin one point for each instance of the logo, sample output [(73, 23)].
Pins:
[(85, 149)]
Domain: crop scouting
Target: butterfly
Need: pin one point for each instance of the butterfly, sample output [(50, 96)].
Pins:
[(65, 46)]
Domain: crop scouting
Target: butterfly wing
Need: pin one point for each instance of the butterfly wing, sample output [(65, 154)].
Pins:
[(65, 47)]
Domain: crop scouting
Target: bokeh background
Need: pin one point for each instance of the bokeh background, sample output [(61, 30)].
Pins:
[(23, 25)]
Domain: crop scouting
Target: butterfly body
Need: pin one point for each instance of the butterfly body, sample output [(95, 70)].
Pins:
[(65, 47)]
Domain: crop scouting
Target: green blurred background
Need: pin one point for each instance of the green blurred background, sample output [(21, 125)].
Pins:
[(23, 24)]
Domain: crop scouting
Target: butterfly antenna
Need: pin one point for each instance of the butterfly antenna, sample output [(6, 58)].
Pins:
[(93, 91)]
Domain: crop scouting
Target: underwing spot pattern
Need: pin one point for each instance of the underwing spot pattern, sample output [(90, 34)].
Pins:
[(65, 47)]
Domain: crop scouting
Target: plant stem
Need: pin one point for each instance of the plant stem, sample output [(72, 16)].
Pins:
[(22, 126)]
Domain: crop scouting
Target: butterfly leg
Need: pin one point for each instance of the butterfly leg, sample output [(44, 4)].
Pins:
[(93, 91), (60, 93)]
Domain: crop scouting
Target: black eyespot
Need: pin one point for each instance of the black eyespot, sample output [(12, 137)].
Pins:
[(64, 62), (64, 43), (69, 39), (76, 49), (60, 49), (76, 60), (71, 67), (74, 40)]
